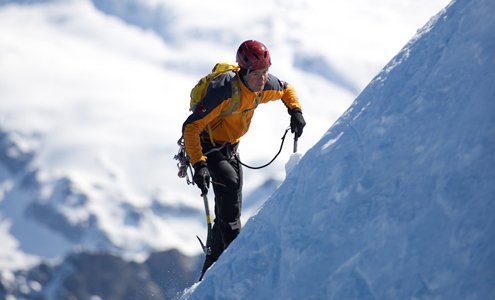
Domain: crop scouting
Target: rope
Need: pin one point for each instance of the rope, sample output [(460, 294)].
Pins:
[(273, 159)]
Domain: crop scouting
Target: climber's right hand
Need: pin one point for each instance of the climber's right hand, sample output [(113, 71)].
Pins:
[(202, 177)]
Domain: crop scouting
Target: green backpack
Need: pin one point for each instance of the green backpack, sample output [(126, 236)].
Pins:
[(199, 90)]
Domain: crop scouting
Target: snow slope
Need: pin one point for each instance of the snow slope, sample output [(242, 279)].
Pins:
[(92, 101), (396, 201)]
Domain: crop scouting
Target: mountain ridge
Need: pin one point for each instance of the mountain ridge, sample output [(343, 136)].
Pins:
[(396, 198)]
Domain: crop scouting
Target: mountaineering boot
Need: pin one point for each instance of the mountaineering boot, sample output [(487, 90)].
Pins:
[(215, 247), (206, 265)]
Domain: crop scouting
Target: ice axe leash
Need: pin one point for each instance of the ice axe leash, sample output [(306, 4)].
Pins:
[(276, 155), (185, 167)]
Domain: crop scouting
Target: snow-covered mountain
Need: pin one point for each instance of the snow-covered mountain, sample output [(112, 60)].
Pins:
[(396, 201)]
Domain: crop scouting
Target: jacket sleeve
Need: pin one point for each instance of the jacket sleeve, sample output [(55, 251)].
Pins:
[(276, 89), (290, 98), (192, 129)]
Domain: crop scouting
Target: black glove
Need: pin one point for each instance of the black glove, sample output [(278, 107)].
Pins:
[(297, 122), (202, 177)]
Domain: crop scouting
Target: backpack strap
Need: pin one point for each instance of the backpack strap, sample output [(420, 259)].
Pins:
[(234, 104), (236, 98)]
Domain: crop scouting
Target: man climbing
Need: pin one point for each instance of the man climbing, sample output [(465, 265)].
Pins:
[(213, 131)]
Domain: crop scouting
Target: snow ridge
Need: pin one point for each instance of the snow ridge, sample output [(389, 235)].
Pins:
[(396, 200)]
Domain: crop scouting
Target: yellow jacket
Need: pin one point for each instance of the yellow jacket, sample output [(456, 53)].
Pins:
[(207, 118)]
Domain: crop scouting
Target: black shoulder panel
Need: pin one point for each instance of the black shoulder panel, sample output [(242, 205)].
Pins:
[(273, 83), (217, 92)]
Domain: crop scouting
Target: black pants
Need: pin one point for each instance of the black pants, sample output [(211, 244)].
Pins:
[(226, 173)]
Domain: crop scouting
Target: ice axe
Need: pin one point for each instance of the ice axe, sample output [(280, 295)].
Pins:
[(206, 247), (296, 137), (295, 157)]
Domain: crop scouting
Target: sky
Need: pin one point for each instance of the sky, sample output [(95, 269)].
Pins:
[(93, 95)]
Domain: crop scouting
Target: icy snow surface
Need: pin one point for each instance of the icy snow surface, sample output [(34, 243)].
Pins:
[(396, 201)]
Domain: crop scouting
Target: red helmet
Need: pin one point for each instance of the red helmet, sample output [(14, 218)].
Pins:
[(253, 55)]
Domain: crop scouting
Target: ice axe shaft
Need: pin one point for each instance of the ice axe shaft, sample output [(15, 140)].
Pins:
[(206, 246), (207, 212), (208, 223)]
